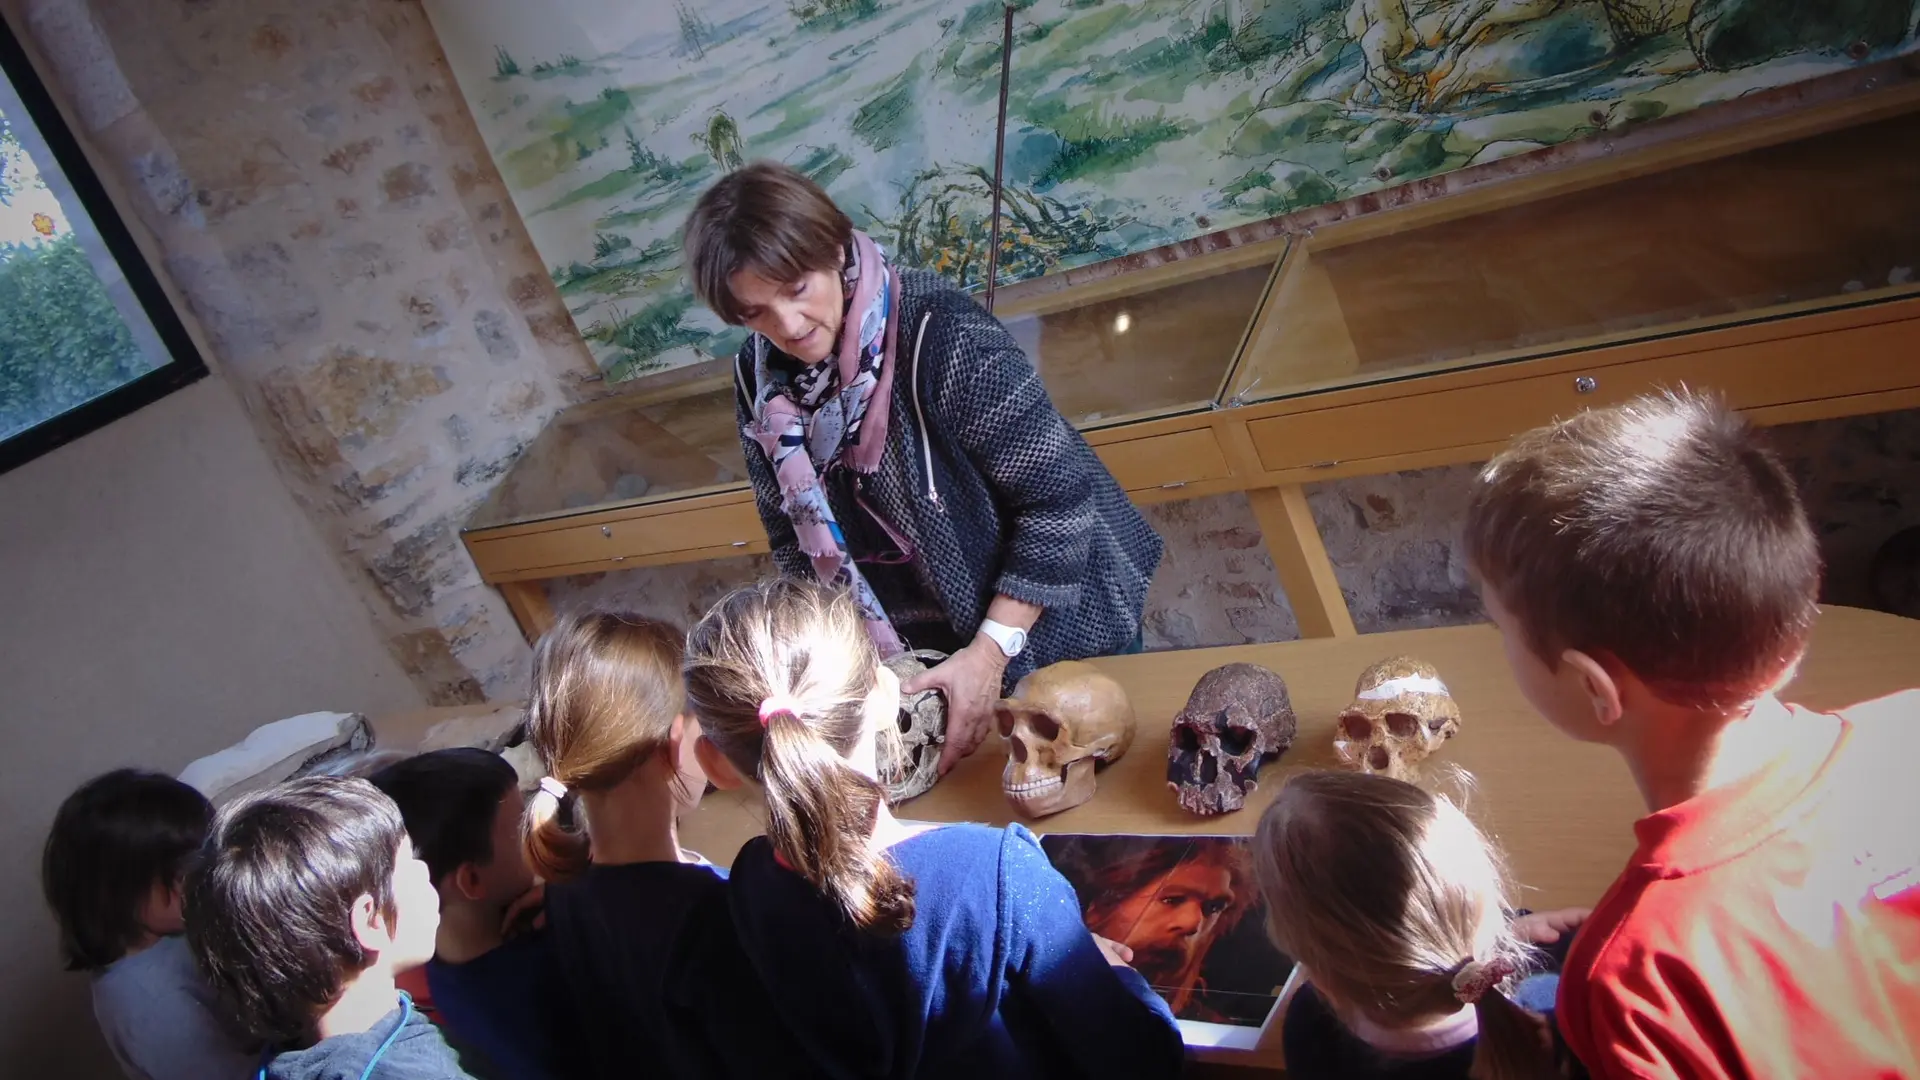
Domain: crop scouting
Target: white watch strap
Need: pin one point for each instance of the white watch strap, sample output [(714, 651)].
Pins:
[(1011, 639)]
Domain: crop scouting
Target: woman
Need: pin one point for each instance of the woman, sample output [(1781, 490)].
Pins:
[(963, 513)]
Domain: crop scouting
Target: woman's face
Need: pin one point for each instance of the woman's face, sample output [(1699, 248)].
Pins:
[(802, 318)]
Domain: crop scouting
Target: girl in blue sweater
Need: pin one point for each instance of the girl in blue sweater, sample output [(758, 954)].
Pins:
[(892, 950)]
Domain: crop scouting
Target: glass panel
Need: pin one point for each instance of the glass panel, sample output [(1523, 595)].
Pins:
[(618, 451), (1824, 220), (1150, 353), (71, 327)]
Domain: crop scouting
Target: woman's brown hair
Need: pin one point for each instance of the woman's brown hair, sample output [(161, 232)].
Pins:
[(1384, 892), (766, 218), (800, 652), (606, 687)]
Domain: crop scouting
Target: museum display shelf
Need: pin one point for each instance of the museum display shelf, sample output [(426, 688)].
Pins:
[(1774, 263)]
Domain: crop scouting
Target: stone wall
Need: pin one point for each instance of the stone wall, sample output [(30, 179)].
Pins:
[(1394, 542), (319, 196)]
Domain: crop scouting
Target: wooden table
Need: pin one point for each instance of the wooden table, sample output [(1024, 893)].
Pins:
[(1562, 810)]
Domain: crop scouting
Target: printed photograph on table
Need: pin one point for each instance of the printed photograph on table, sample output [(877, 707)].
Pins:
[(1188, 908)]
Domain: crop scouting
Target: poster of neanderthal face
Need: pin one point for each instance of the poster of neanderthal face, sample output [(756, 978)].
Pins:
[(1188, 908)]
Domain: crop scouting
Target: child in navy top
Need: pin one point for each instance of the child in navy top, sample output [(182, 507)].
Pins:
[(891, 951), (493, 981), (1392, 902), (655, 980)]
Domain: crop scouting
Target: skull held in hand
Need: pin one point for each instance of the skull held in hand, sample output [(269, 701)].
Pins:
[(910, 763), (1061, 723), (1238, 716), (1401, 713)]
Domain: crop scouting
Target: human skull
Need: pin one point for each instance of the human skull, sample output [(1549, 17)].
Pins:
[(910, 763), (1238, 716), (1401, 713), (1062, 722)]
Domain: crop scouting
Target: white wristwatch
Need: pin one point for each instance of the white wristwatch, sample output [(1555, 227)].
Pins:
[(1011, 639)]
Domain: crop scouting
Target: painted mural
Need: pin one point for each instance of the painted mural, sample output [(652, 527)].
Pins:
[(1130, 124)]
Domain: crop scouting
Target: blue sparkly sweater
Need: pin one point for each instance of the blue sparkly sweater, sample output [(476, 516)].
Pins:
[(998, 975)]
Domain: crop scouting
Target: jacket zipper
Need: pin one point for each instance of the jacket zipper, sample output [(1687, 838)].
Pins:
[(926, 439)]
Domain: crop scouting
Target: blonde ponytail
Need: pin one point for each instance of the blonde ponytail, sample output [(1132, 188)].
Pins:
[(1395, 903), (606, 687), (778, 675), (556, 849)]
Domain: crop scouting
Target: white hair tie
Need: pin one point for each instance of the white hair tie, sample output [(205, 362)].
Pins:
[(550, 786)]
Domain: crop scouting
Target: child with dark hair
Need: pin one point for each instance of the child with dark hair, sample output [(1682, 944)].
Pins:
[(306, 901), (1656, 580), (494, 985), (111, 872), (892, 950)]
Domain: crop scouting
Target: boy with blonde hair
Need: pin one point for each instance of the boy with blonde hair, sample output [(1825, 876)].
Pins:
[(1656, 581)]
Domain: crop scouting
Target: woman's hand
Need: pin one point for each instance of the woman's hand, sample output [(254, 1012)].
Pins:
[(970, 682)]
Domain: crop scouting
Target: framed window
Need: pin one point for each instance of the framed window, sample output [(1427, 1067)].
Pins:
[(86, 333)]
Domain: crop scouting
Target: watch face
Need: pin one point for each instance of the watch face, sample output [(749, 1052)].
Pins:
[(1016, 642)]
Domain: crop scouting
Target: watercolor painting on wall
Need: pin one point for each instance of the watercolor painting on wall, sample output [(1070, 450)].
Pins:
[(1130, 124), (1175, 118)]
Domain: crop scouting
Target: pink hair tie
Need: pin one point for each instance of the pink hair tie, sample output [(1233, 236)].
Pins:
[(1476, 977), (775, 704)]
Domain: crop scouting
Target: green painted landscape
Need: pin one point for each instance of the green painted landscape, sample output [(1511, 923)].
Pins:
[(1130, 124)]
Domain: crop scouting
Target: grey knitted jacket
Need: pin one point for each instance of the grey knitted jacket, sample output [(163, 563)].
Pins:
[(997, 492)]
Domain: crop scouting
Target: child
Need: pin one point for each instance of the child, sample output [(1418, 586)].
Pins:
[(495, 995), (1655, 580), (639, 926), (893, 951), (111, 873), (305, 902), (1393, 903)]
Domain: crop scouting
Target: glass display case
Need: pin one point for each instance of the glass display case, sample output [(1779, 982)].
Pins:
[(1778, 264), (1817, 222)]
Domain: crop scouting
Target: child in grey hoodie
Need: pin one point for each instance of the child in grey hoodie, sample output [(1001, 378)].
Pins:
[(306, 902), (111, 872)]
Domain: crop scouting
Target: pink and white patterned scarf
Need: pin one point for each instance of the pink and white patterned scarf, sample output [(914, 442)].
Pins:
[(810, 421)]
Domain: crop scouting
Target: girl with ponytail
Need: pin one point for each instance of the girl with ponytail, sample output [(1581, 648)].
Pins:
[(1393, 904), (639, 925), (889, 949)]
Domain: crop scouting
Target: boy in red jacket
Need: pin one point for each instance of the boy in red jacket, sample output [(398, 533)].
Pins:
[(1655, 580)]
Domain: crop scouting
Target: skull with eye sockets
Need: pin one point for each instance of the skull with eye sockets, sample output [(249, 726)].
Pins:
[(1238, 716), (1062, 723), (1401, 713), (909, 760)]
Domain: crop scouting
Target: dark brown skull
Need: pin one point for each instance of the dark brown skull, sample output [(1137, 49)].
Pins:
[(1238, 716), (910, 762)]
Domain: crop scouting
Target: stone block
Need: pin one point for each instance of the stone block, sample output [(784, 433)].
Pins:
[(485, 730), (278, 751)]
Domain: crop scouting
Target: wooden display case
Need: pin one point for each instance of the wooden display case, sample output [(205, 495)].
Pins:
[(1775, 264)]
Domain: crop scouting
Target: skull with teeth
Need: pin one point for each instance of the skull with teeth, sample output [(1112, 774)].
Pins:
[(1400, 714), (1238, 716), (910, 762), (1062, 722)]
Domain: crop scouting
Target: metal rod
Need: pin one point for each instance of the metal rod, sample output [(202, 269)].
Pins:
[(999, 152)]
